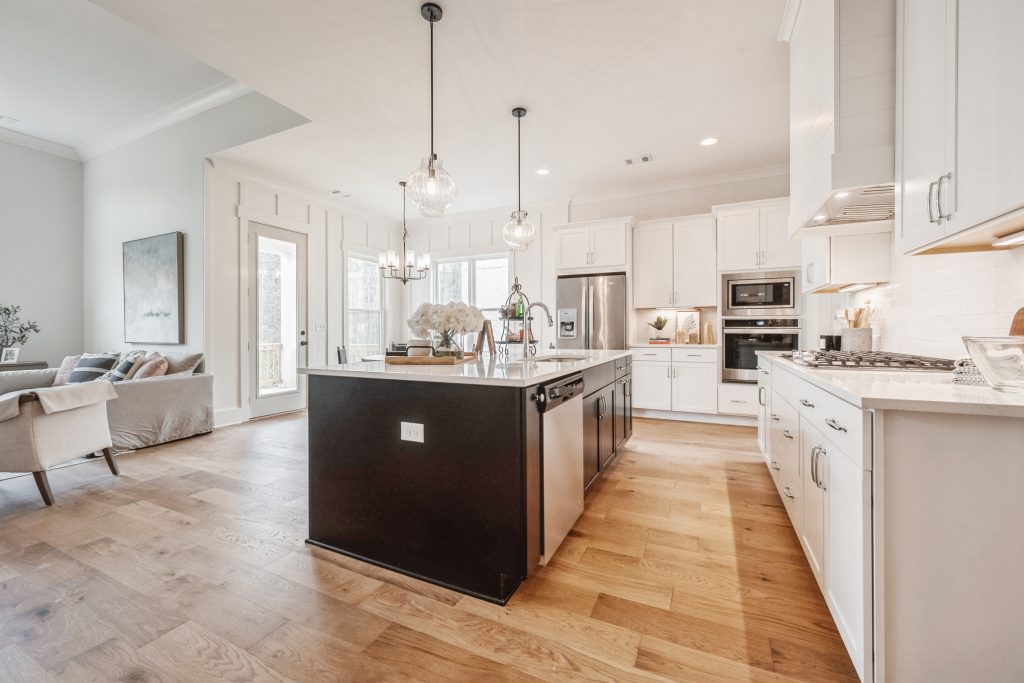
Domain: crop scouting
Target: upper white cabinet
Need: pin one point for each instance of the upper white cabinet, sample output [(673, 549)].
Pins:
[(842, 114), (754, 235), (594, 244), (961, 174), (674, 263), (832, 263)]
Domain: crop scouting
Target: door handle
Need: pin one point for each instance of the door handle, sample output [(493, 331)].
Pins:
[(938, 197), (303, 343), (760, 396), (786, 493), (814, 464), (931, 194), (806, 403), (835, 425), (785, 433), (775, 465), (775, 417)]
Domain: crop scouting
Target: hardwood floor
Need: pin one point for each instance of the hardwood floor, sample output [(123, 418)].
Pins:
[(191, 566)]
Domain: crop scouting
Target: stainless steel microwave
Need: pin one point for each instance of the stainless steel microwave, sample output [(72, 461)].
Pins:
[(760, 294)]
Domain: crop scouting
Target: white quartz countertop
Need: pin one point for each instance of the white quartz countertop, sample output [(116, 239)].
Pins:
[(673, 346), (488, 370), (917, 391)]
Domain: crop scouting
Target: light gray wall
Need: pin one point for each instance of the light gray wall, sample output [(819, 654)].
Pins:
[(152, 186), (41, 247)]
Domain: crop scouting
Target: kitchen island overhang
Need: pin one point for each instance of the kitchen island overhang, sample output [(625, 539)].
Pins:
[(461, 508)]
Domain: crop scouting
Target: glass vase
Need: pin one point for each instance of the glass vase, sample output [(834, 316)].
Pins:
[(447, 346)]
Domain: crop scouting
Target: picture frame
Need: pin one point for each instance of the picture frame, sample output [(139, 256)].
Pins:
[(688, 326), (9, 355), (153, 285)]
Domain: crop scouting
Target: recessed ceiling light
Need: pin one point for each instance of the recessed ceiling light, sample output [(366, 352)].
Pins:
[(840, 195), (542, 171), (707, 142), (820, 217)]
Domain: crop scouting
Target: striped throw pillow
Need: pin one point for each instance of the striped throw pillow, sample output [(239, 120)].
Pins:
[(92, 366), (125, 368)]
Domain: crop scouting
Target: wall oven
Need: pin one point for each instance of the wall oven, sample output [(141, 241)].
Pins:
[(760, 294), (743, 338)]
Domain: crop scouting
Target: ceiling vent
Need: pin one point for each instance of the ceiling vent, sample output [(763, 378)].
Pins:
[(640, 159)]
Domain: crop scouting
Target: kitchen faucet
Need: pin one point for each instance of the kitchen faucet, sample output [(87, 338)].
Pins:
[(529, 324), (551, 321)]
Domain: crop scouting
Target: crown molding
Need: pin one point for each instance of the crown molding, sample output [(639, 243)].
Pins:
[(204, 100), (38, 144), (788, 22)]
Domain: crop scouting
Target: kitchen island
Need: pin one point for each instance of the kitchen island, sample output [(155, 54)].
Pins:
[(436, 471)]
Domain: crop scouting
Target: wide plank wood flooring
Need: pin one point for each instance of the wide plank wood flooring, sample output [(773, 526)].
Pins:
[(191, 566)]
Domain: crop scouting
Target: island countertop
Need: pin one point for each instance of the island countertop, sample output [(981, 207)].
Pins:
[(488, 370)]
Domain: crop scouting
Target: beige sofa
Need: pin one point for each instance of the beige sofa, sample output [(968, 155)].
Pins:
[(147, 411)]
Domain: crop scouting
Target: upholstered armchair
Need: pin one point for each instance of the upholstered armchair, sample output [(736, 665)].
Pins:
[(42, 428)]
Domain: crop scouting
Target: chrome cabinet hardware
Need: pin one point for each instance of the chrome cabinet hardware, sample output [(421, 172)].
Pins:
[(786, 493), (760, 396), (763, 371), (938, 197), (775, 465), (835, 425), (814, 464), (806, 403), (775, 417), (736, 400), (785, 433), (931, 195)]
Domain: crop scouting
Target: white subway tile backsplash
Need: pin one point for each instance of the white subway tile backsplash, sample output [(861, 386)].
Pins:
[(933, 301)]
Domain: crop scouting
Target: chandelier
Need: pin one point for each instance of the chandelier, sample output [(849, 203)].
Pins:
[(431, 187), (390, 263), (519, 232)]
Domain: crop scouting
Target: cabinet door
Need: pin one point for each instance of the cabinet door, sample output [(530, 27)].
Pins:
[(739, 239), (849, 553), (627, 414), (652, 385), (619, 413), (815, 259), (591, 437), (608, 244), (777, 250), (764, 397), (606, 434), (989, 177), (814, 459), (695, 387), (652, 266), (694, 274), (573, 247), (926, 127)]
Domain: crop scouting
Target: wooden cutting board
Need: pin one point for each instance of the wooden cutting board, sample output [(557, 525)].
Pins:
[(1017, 326), (430, 360)]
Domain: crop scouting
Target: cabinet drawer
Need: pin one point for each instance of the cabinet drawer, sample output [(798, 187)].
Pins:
[(842, 423), (645, 353), (785, 429), (695, 355), (623, 366), (737, 399)]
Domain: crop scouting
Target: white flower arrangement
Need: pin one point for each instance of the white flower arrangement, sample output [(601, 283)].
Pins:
[(447, 320)]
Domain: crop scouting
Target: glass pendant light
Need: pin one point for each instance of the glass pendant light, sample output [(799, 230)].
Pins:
[(430, 186), (403, 266), (519, 232)]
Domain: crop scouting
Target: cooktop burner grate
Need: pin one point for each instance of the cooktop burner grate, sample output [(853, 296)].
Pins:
[(870, 360)]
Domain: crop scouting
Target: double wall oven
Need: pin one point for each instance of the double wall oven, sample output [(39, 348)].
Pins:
[(760, 312)]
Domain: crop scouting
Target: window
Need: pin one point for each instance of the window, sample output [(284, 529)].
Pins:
[(480, 281), (364, 335)]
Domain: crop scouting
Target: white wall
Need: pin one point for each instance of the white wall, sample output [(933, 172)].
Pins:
[(933, 301), (235, 197), (41, 247), (155, 185)]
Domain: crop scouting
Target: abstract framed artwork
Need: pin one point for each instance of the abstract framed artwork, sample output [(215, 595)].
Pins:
[(154, 294)]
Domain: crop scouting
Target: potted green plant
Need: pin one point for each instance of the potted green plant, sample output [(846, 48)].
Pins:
[(659, 324), (13, 332)]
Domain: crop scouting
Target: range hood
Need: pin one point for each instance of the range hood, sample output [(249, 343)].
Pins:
[(842, 115)]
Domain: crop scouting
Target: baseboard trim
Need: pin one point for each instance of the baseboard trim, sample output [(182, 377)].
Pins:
[(230, 416), (736, 420)]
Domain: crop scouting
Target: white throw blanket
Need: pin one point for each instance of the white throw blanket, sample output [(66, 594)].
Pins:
[(57, 399)]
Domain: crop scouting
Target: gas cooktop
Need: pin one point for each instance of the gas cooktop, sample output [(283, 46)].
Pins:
[(870, 360)]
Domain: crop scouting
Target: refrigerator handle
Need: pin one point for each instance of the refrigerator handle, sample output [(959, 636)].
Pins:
[(590, 316)]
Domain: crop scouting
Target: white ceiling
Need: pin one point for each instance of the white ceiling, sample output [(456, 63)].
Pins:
[(73, 72), (602, 79)]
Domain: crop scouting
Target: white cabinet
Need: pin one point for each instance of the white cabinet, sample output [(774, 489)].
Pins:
[(832, 263), (813, 521), (754, 235), (674, 263), (695, 387), (653, 265), (596, 244), (962, 90), (652, 384), (764, 399), (737, 398), (814, 257)]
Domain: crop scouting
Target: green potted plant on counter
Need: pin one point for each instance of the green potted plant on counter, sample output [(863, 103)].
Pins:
[(659, 324)]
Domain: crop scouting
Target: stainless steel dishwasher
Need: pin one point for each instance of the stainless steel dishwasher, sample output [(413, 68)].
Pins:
[(561, 403)]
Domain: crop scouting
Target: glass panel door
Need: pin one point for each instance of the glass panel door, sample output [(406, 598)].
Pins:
[(363, 327)]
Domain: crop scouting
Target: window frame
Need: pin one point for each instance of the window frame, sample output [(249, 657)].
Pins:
[(371, 257), (471, 260)]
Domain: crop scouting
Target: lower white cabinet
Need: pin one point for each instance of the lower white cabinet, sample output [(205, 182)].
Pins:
[(811, 527), (737, 398), (695, 387), (652, 384), (764, 398), (681, 379)]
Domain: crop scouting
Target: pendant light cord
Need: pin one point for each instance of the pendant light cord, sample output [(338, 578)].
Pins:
[(519, 162), (432, 90)]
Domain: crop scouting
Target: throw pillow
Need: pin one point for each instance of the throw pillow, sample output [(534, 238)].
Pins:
[(138, 355), (67, 366), (92, 366), (182, 362), (154, 365), (124, 369)]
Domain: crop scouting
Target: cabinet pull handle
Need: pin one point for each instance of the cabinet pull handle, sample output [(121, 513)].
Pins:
[(775, 465), (931, 193), (760, 396), (835, 425), (775, 417), (817, 469), (814, 464), (736, 400), (785, 433), (938, 197), (786, 493), (806, 403)]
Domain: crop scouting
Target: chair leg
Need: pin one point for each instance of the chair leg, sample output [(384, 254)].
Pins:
[(44, 487), (109, 455)]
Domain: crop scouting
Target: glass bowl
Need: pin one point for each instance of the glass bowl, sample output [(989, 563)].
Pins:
[(1000, 360)]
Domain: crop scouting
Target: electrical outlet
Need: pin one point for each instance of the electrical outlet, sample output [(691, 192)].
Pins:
[(412, 431)]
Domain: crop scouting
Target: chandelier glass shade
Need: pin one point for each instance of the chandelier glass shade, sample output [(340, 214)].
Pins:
[(519, 232)]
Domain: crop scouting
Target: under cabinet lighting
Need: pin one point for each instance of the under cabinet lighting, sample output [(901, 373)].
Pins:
[(707, 142), (1007, 240), (542, 171), (820, 217), (841, 195), (856, 288)]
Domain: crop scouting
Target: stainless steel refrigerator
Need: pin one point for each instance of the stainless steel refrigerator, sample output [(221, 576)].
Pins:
[(591, 312)]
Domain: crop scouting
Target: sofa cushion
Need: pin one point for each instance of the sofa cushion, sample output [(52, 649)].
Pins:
[(182, 362), (125, 368), (18, 380), (67, 366), (154, 365), (93, 366)]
